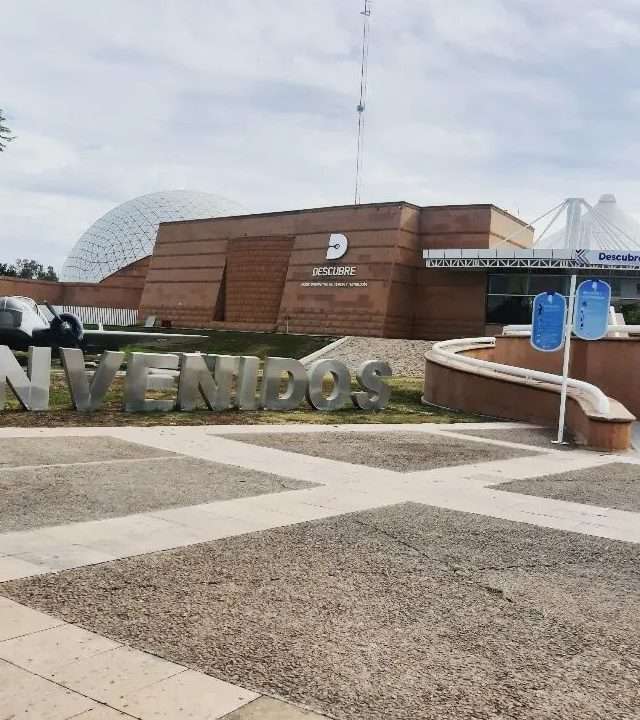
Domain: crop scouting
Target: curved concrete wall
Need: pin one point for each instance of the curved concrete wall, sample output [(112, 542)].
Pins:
[(486, 392), (610, 364)]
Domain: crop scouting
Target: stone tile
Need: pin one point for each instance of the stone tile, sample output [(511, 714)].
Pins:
[(43, 496), (537, 437), (12, 543), (17, 620), (399, 451), (370, 615), (62, 556), (114, 674), (209, 521), (12, 568), (102, 712), (187, 695), (47, 651), (266, 708), (24, 695), (52, 450), (614, 485)]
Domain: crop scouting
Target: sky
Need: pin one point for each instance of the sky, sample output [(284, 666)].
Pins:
[(518, 103)]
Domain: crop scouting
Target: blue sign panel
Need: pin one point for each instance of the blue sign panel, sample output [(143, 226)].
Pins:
[(547, 323), (591, 314)]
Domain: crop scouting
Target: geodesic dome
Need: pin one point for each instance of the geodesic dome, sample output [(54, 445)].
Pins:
[(128, 232)]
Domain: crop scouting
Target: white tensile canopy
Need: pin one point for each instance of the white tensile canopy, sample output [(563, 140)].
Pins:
[(601, 227)]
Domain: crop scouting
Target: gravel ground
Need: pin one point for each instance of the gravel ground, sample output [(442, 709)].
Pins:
[(400, 613), (36, 497), (400, 451), (615, 485), (46, 451), (538, 437), (406, 357)]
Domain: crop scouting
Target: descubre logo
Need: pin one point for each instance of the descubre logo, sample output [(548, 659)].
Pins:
[(338, 246)]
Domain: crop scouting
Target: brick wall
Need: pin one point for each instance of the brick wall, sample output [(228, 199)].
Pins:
[(123, 289), (255, 274)]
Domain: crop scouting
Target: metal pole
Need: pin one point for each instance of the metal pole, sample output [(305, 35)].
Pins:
[(565, 362)]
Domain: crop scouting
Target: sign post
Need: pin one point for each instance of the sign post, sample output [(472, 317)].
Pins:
[(587, 314), (565, 362)]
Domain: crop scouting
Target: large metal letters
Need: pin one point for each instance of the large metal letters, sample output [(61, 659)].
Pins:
[(31, 388), (376, 392), (84, 396), (274, 368), (246, 397), (209, 377), (341, 390), (135, 386), (220, 381)]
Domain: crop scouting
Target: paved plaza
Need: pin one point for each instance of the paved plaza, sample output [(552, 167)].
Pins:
[(291, 572)]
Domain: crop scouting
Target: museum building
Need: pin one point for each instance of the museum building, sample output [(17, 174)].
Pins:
[(385, 269)]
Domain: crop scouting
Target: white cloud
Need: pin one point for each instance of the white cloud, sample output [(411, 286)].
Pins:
[(519, 103)]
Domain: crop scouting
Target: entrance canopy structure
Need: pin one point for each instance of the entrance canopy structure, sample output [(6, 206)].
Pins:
[(594, 237)]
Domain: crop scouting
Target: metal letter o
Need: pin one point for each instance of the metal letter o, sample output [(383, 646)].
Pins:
[(341, 391)]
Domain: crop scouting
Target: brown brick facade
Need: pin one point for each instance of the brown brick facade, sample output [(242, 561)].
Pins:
[(256, 272), (123, 289)]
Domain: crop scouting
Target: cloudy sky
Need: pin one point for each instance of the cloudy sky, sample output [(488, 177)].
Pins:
[(519, 103)]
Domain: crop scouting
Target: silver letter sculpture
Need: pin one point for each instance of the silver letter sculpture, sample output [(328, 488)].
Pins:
[(274, 367), (88, 397), (197, 381), (31, 388), (246, 398), (136, 382), (377, 392), (341, 391)]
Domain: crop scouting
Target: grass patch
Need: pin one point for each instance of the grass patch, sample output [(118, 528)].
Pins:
[(217, 342), (404, 407)]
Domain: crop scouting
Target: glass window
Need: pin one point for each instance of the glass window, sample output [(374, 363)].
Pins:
[(515, 284), (509, 309), (548, 283), (630, 311)]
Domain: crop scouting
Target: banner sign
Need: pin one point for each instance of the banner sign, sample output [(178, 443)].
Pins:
[(216, 382), (591, 311), (548, 321), (614, 258)]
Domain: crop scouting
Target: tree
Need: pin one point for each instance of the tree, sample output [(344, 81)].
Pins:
[(28, 270), (7, 270), (5, 133)]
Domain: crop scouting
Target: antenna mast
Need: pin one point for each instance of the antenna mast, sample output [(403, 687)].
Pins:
[(366, 14)]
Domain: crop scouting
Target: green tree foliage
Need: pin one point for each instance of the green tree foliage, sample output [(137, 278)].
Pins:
[(5, 133), (28, 270)]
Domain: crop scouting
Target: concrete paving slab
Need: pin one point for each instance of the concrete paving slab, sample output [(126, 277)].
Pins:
[(403, 612), (266, 708), (42, 496), (46, 652), (102, 712), (19, 451), (115, 674), (398, 451), (12, 568), (190, 695), (23, 695), (614, 485), (17, 620)]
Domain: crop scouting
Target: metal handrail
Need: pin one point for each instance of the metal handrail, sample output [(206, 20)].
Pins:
[(519, 329), (448, 350)]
